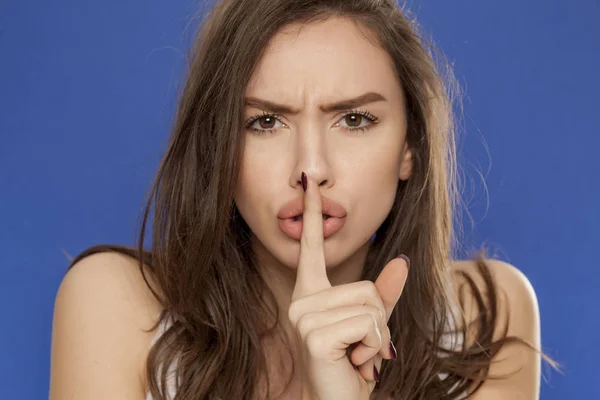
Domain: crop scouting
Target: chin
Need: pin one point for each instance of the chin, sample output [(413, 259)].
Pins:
[(335, 253)]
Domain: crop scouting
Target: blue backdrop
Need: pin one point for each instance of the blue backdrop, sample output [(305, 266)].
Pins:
[(87, 95)]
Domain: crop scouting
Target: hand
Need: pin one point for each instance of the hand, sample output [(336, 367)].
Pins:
[(329, 319)]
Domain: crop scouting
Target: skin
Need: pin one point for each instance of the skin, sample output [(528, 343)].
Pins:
[(305, 70), (323, 63), (329, 319), (103, 306)]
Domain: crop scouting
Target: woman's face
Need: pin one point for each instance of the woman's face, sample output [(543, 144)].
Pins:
[(356, 161)]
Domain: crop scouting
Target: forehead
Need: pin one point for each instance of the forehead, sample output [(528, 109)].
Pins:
[(326, 59)]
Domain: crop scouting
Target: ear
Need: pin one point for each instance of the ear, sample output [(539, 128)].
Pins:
[(406, 164)]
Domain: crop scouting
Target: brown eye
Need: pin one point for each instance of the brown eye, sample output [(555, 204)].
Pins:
[(353, 120), (269, 122), (358, 121), (263, 124)]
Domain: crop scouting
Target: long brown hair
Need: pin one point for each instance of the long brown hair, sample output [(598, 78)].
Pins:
[(201, 259)]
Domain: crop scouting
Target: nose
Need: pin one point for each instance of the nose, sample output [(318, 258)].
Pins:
[(311, 155)]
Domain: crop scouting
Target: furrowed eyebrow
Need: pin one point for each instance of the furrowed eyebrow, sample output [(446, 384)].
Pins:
[(343, 105)]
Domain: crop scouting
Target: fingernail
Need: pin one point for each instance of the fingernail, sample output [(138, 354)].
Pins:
[(304, 181), (405, 258), (375, 373), (393, 351)]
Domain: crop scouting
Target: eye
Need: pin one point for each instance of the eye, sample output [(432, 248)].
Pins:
[(266, 123), (355, 118), (354, 122)]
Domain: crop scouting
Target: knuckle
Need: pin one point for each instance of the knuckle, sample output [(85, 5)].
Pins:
[(314, 343), (294, 312), (372, 311), (371, 320), (374, 321), (374, 325), (304, 326), (367, 286), (372, 293)]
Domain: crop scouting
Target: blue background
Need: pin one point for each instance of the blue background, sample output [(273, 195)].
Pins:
[(87, 96)]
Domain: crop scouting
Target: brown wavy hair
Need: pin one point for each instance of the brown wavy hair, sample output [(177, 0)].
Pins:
[(201, 259)]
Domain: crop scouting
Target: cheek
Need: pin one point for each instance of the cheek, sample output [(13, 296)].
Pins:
[(373, 168), (374, 186), (256, 183), (259, 172)]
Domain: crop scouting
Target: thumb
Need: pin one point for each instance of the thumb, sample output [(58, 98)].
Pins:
[(390, 282)]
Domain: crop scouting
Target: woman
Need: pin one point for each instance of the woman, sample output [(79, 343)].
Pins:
[(313, 145)]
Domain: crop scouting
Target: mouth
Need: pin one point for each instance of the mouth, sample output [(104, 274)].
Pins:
[(299, 217), (290, 217), (292, 226), (295, 208)]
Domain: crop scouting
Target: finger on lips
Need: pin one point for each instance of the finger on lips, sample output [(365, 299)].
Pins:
[(311, 276), (354, 313)]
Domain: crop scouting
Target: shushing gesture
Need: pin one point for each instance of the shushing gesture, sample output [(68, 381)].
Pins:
[(327, 319)]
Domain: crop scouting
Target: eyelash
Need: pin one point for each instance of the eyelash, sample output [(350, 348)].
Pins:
[(363, 113)]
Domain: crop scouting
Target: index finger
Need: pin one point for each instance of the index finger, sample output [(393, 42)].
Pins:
[(311, 276)]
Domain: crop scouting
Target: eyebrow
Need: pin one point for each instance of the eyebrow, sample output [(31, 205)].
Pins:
[(343, 105)]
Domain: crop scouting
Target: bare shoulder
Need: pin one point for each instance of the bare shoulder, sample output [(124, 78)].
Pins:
[(518, 307), (509, 278), (102, 311), (516, 295)]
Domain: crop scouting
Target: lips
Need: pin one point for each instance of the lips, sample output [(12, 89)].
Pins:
[(334, 217), (295, 208)]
